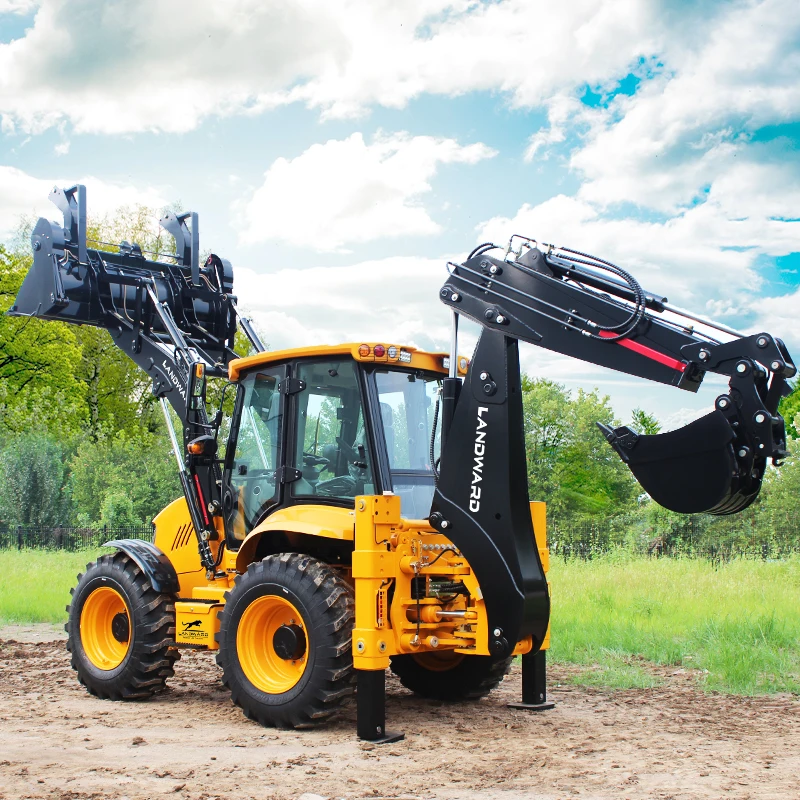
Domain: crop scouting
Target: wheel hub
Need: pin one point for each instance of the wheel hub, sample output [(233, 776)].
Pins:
[(289, 642), (120, 628)]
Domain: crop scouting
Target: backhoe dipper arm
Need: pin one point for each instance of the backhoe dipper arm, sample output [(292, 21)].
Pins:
[(176, 321), (584, 307)]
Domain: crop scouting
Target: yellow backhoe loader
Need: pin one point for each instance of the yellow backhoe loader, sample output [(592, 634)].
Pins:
[(369, 508)]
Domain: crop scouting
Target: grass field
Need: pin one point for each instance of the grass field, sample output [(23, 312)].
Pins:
[(736, 625), (739, 623), (35, 585)]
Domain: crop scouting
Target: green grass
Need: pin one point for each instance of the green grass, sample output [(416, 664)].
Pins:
[(738, 625), (35, 584)]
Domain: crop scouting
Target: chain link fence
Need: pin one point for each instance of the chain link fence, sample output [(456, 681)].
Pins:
[(40, 537)]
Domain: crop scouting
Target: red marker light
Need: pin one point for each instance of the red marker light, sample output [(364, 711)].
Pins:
[(379, 350)]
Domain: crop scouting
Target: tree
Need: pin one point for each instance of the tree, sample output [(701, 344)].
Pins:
[(141, 468), (642, 422), (789, 408), (32, 471), (39, 387), (570, 465)]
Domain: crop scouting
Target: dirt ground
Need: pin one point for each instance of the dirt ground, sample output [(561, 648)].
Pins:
[(57, 742)]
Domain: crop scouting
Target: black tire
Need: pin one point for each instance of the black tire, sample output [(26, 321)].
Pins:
[(470, 677), (326, 607), (151, 652)]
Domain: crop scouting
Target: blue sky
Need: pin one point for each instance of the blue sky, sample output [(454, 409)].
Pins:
[(340, 152)]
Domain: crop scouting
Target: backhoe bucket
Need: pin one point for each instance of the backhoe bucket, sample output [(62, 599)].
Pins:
[(692, 470)]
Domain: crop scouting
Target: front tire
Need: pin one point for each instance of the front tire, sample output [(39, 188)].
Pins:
[(120, 630), (286, 641), (448, 675)]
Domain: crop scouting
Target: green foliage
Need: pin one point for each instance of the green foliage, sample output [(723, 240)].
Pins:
[(32, 474), (140, 469), (737, 627), (642, 422), (117, 511), (789, 408), (570, 465), (38, 363)]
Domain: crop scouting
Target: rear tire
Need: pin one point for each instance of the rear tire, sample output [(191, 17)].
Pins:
[(286, 641), (450, 676), (121, 632)]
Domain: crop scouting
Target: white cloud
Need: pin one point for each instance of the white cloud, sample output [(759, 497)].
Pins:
[(685, 128), (18, 6), (139, 65), (23, 195), (344, 192), (393, 300)]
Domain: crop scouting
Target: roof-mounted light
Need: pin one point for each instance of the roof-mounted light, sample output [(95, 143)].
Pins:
[(405, 356), (364, 350)]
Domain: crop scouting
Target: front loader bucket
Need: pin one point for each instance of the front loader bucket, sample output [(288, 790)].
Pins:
[(692, 470)]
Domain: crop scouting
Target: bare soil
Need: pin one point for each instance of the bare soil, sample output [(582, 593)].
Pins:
[(58, 742)]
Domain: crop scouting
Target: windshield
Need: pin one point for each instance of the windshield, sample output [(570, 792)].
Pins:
[(408, 404)]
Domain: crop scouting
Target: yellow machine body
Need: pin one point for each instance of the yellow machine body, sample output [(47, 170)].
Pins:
[(388, 551)]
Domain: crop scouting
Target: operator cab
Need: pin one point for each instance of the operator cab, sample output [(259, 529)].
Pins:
[(323, 425)]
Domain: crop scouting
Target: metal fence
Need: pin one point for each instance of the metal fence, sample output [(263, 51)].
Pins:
[(713, 538), (694, 537), (41, 537)]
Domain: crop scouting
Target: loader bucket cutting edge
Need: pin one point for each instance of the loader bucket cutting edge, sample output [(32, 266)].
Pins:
[(691, 470)]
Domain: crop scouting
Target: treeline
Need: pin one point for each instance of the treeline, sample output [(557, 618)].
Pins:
[(83, 442)]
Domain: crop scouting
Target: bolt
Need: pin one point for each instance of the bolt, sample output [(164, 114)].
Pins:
[(379, 730), (742, 452), (434, 642), (497, 633), (704, 355), (382, 646), (762, 341), (360, 646), (500, 319), (761, 447), (775, 366), (484, 376), (760, 418), (493, 270), (741, 368), (445, 524), (722, 402), (37, 245), (455, 297)]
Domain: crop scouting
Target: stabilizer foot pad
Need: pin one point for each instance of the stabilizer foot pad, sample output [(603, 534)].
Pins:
[(533, 706), (387, 738)]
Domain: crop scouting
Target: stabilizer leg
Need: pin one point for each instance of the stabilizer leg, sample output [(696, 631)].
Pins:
[(534, 683), (371, 707)]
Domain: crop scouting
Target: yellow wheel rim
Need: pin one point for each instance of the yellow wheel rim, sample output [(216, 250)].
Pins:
[(439, 661), (255, 645), (105, 620)]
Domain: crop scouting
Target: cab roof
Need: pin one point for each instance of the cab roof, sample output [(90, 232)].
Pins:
[(404, 355)]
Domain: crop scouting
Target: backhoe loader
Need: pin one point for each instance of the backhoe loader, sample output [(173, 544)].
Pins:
[(369, 508)]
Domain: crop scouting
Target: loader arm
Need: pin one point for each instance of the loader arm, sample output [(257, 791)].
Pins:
[(174, 319), (584, 307)]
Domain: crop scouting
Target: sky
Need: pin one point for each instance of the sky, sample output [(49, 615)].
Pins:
[(340, 152)]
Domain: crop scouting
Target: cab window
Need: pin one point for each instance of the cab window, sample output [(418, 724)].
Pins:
[(331, 448)]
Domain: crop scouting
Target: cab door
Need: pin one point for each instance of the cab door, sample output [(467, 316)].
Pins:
[(252, 476)]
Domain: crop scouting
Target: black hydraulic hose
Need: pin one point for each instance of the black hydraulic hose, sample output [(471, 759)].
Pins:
[(627, 326), (483, 248), (433, 441)]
